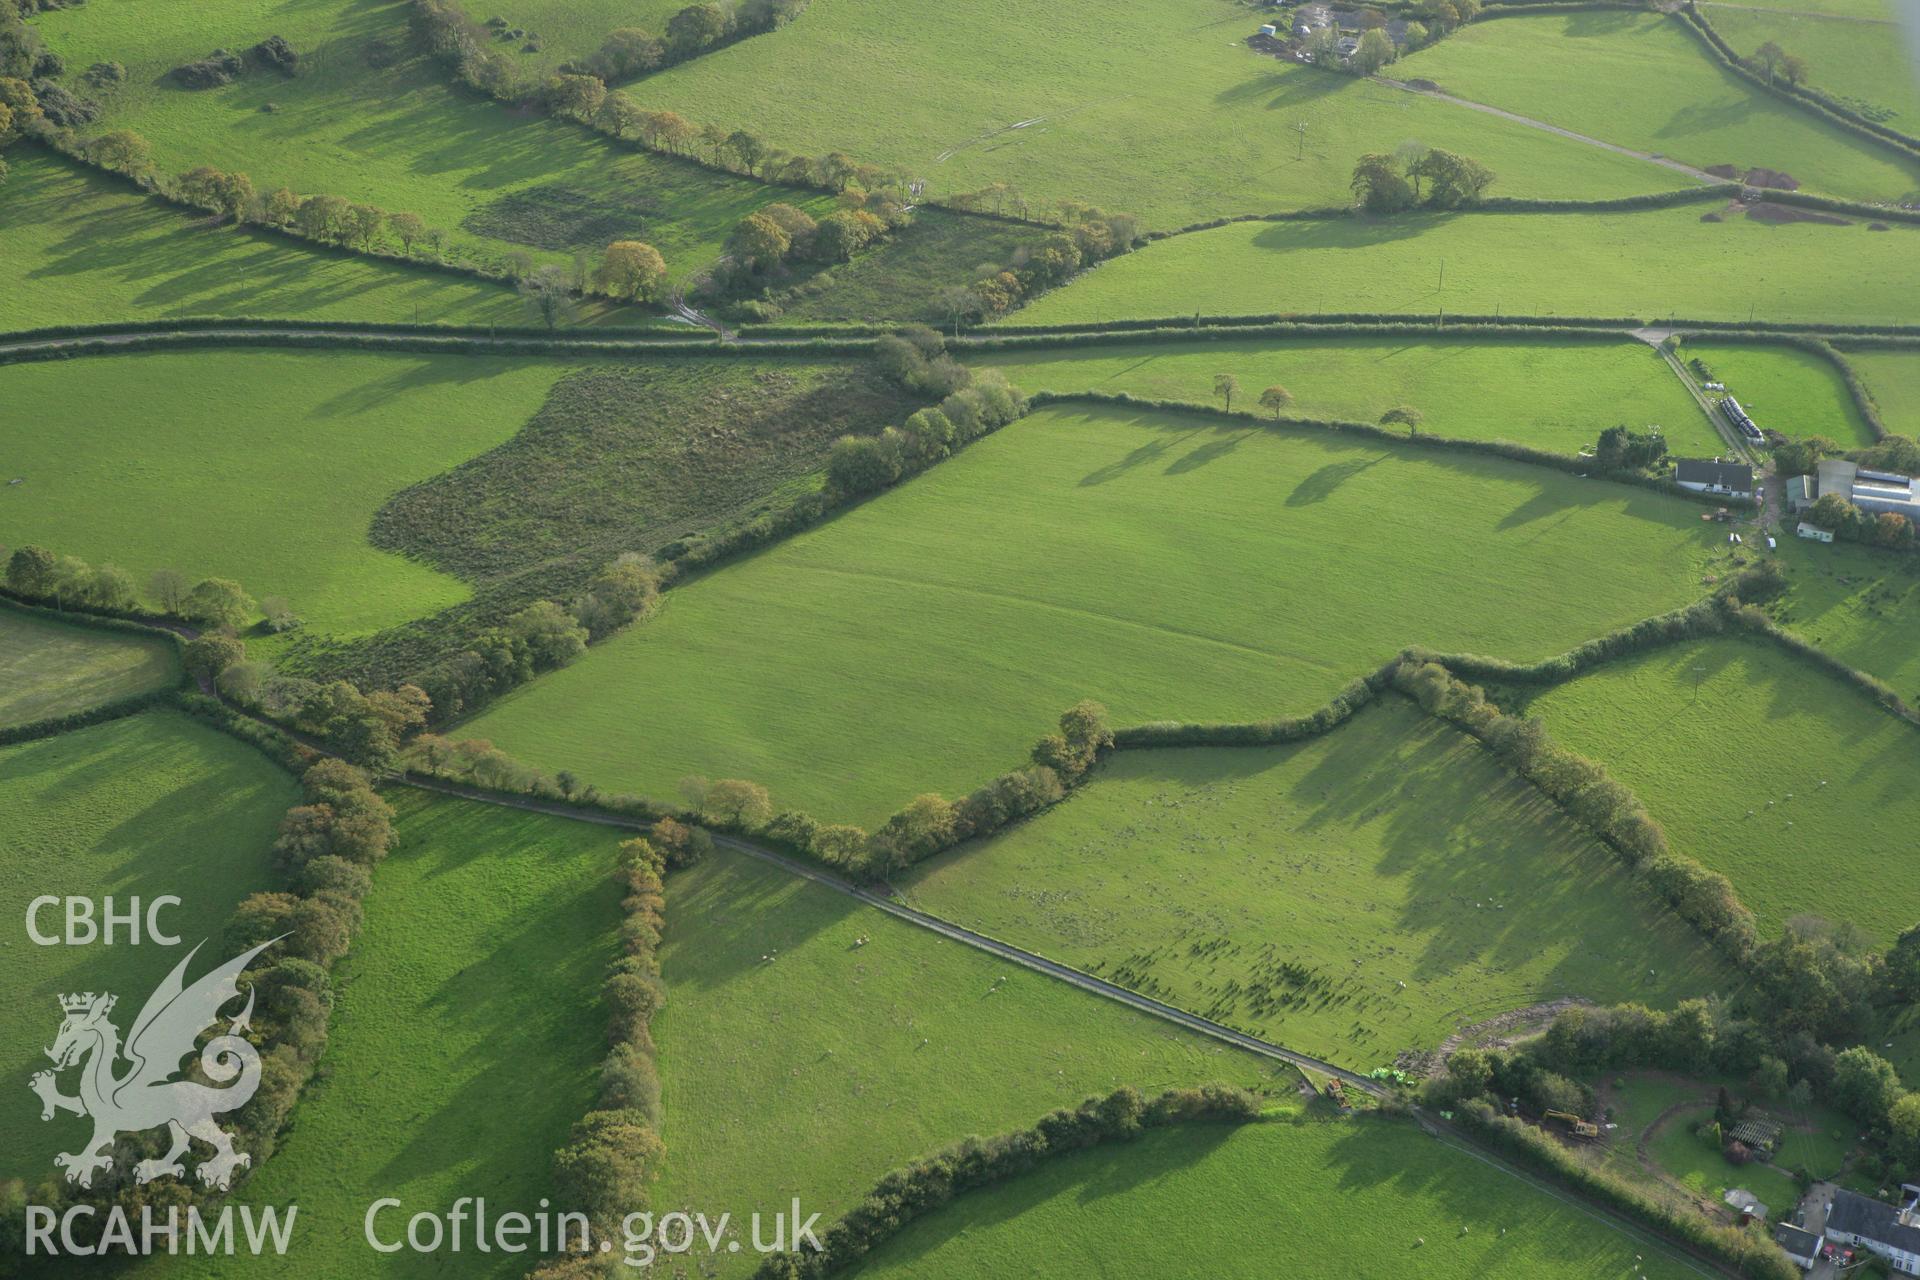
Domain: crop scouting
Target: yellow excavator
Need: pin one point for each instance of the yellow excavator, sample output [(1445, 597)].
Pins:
[(1581, 1128)]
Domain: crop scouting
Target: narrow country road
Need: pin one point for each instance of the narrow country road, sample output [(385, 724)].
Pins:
[(1699, 175)]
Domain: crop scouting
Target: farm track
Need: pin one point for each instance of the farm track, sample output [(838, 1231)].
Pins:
[(1440, 1130), (1699, 175)]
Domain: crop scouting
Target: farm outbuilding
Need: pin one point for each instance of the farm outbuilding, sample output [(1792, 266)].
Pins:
[(1798, 1243)]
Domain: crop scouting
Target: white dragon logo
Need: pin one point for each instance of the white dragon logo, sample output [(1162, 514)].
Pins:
[(145, 1098)]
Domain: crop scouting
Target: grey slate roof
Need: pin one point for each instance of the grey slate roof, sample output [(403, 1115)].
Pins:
[(1855, 1215), (1728, 475)]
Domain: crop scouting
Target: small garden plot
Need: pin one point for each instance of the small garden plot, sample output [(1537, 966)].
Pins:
[(1358, 897), (1384, 1198), (1763, 768), (1645, 264), (50, 669), (262, 467), (1797, 393), (78, 247), (1642, 80), (467, 1036), (809, 1044), (152, 805), (1167, 564), (1548, 395)]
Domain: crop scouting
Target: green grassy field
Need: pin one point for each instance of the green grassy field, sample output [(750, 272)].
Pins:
[(466, 1040), (571, 29), (1357, 896), (1866, 62), (1360, 1198), (795, 1062), (1773, 773), (1158, 561), (1894, 379), (1857, 603), (1551, 395), (77, 247), (395, 135), (1158, 110), (50, 669), (1643, 81), (143, 807), (1799, 393), (264, 467), (1646, 264)]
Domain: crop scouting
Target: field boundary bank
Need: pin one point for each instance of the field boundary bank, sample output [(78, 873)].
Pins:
[(1809, 100), (68, 342), (115, 709), (1040, 964)]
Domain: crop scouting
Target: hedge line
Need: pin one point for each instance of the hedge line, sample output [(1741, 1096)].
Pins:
[(1259, 733), (1750, 1254), (271, 741), (550, 346), (615, 1151), (1588, 795), (127, 621), (1878, 690), (1843, 116), (63, 143), (932, 1182), (1834, 204), (185, 324), (1490, 448), (1492, 204), (1862, 398), (118, 709), (328, 841)]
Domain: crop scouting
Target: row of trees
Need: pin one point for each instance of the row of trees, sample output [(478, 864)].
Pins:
[(933, 1181), (1416, 176), (615, 1150), (628, 52), (977, 404), (327, 219), (1085, 234), (1585, 790), (540, 637), (930, 823), (328, 842), (68, 582)]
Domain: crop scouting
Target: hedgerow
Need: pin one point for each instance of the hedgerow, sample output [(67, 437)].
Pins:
[(327, 845), (934, 1181)]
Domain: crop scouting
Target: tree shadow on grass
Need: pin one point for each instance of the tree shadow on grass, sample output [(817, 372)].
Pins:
[(1325, 482)]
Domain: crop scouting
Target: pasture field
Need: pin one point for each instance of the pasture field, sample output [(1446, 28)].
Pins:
[(1160, 562), (1866, 62), (48, 668), (1550, 395), (78, 247), (1356, 896), (1894, 379), (1795, 392), (1646, 264), (795, 1060), (151, 805), (395, 134), (264, 467), (1856, 603), (572, 29), (1243, 1197), (466, 1039), (1765, 769), (1642, 80), (1158, 110)]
